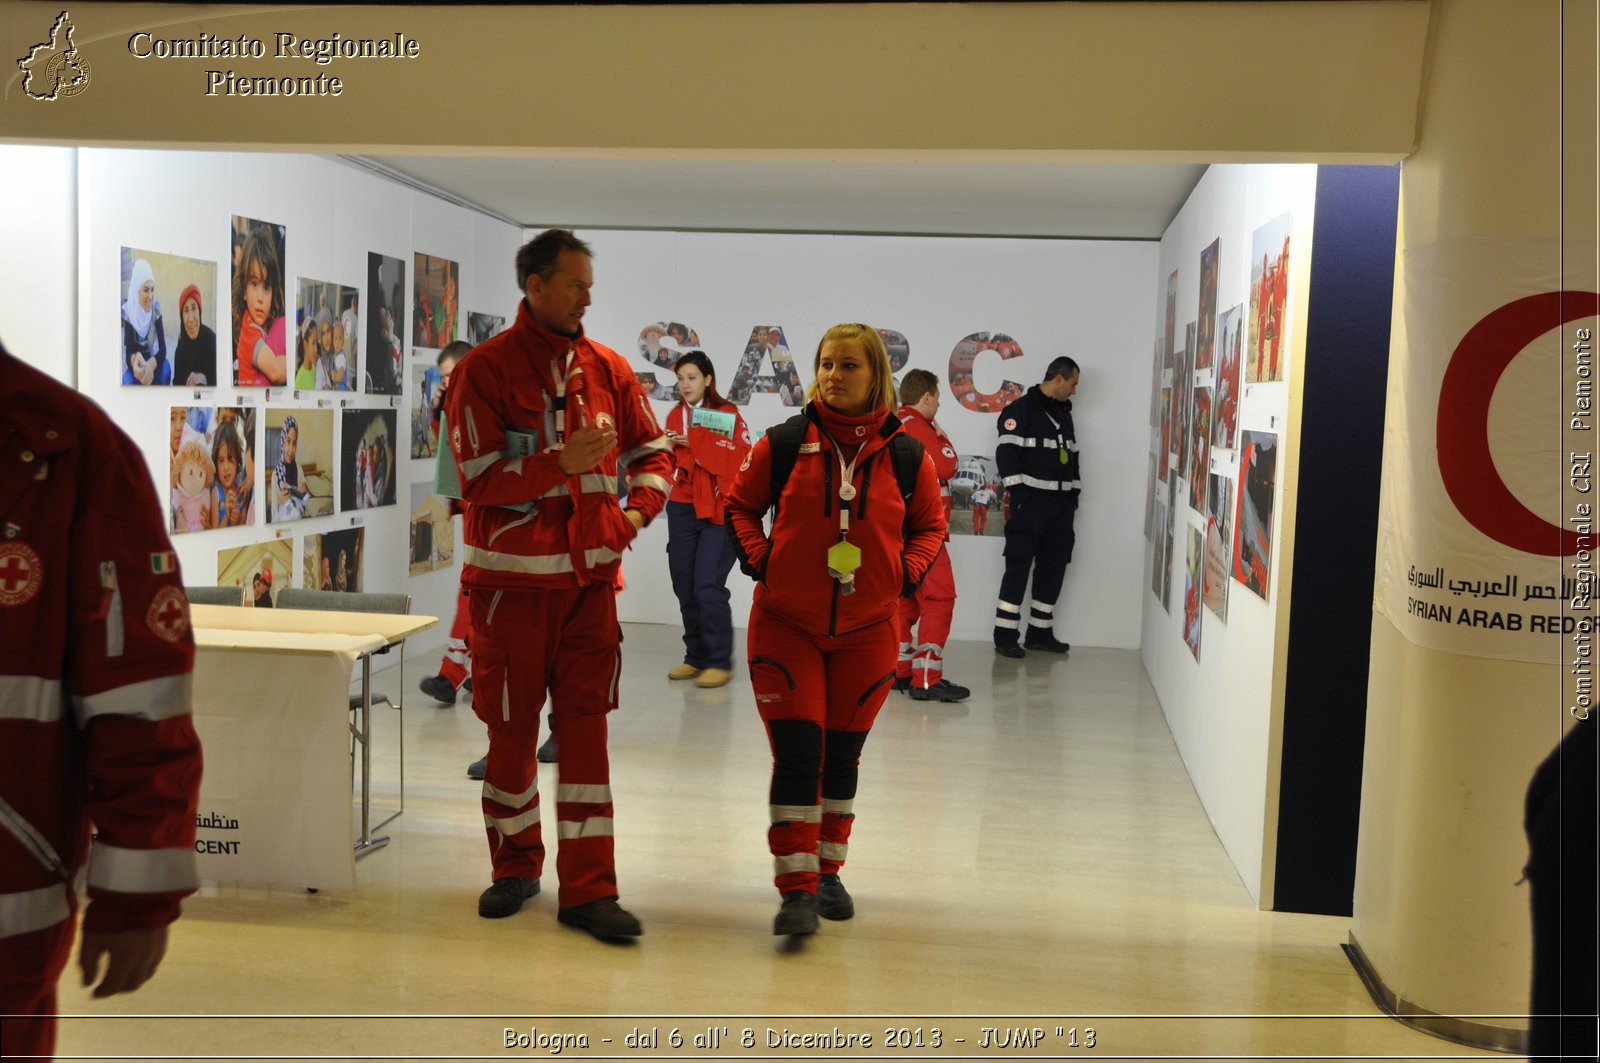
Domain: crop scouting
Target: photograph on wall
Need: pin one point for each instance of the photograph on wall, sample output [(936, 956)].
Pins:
[(432, 534), (1225, 400), (1252, 536), (436, 300), (167, 333), (1150, 496), (1192, 587), (1265, 354), (1219, 545), (259, 304), (299, 464), (425, 387), (963, 358), (662, 343), (1163, 453), (976, 498), (325, 317), (259, 570), (1206, 320), (332, 561), (367, 459), (897, 346), (1159, 552), (383, 371), (767, 343), (212, 456), (1172, 320), (1199, 449), (1155, 384), (1182, 397), (1167, 532), (481, 326)]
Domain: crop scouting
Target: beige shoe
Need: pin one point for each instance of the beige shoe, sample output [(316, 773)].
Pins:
[(683, 671), (713, 677)]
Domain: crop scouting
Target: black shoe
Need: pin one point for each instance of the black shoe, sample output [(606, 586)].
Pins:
[(902, 686), (833, 900), (547, 752), (505, 897), (466, 684), (943, 690), (476, 769), (1045, 642), (1009, 649), (439, 689), (798, 916), (605, 919)]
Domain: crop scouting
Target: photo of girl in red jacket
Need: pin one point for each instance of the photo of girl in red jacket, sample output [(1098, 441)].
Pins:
[(709, 442), (823, 638)]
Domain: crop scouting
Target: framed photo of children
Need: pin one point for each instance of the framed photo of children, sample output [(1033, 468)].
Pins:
[(260, 342), (166, 337), (481, 326), (1252, 525), (325, 336), (333, 560), (367, 459), (212, 451), (383, 373), (259, 570), (437, 301), (299, 464)]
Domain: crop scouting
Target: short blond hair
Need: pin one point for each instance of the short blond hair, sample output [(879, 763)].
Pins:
[(881, 397)]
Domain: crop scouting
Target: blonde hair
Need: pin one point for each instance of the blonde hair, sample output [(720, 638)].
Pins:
[(881, 397), (192, 453)]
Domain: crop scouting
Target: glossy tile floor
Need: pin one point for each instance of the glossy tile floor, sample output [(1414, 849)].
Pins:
[(1032, 858)]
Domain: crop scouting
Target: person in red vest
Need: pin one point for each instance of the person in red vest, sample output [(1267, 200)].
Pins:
[(845, 545), (708, 451), (544, 425), (920, 671), (96, 735)]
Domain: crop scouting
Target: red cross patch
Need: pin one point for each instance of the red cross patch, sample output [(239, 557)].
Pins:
[(169, 614), (1011, 423), (21, 574)]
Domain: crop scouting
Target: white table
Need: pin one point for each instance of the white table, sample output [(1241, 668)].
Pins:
[(271, 700)]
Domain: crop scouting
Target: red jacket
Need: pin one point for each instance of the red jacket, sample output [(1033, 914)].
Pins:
[(708, 463), (926, 431), (94, 676), (898, 539), (577, 531)]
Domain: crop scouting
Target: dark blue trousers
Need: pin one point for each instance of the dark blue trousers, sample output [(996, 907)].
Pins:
[(700, 558)]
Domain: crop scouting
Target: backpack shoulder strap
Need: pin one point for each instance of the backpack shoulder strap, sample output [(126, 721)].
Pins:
[(906, 453), (784, 439)]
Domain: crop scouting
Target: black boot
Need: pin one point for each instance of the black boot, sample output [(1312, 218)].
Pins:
[(798, 916), (833, 900)]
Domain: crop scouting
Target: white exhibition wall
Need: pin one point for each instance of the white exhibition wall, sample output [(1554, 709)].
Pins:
[(1081, 298), (1225, 708)]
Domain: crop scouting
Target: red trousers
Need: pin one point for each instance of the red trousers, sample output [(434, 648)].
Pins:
[(928, 610), (566, 642), (817, 696), (31, 966), (980, 519), (457, 661)]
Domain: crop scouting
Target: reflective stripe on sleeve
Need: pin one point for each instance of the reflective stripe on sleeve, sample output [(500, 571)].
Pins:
[(1043, 485), (650, 479), (500, 797), (584, 793), (796, 813), (1014, 441), (142, 870), (153, 699), (593, 827), (792, 862), (658, 444), (31, 698), (31, 910), (471, 468)]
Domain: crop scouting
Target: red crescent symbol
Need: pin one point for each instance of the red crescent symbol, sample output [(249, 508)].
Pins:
[(1465, 462)]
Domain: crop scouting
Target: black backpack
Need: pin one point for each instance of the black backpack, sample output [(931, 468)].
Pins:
[(784, 440)]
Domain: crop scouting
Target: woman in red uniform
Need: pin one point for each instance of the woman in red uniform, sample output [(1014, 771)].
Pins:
[(708, 451), (845, 544)]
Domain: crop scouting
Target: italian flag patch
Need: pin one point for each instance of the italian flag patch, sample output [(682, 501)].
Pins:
[(164, 562)]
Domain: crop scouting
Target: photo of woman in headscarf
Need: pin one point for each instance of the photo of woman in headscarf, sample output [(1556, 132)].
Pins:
[(194, 363), (144, 339)]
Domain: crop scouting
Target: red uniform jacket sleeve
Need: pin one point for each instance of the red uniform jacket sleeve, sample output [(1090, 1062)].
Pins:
[(925, 525), (129, 680), (747, 502), (645, 457)]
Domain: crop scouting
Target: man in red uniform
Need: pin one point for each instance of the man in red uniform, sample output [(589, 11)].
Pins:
[(543, 421), (920, 669), (94, 707)]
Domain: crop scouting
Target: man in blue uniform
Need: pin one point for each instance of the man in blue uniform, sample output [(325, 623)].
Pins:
[(1038, 458)]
